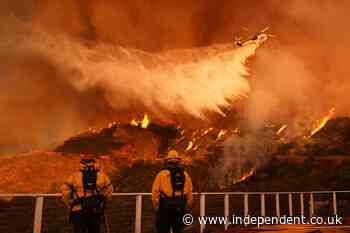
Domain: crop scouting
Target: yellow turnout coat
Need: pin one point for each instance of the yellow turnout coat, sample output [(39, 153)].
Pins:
[(162, 188), (73, 188)]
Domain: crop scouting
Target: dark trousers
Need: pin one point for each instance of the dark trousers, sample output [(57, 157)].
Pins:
[(86, 222), (169, 219)]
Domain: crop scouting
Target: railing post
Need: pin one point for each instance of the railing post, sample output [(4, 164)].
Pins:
[(334, 203), (246, 205), (278, 212), (290, 204), (202, 210), (262, 204), (301, 204), (38, 214), (226, 209), (311, 210), (138, 214)]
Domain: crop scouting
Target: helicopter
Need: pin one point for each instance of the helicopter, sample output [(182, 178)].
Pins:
[(258, 37)]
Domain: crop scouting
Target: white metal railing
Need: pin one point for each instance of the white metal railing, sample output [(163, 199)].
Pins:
[(39, 203)]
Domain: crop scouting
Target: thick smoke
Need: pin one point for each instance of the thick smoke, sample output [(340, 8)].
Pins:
[(304, 73), (299, 75), (201, 80), (129, 75)]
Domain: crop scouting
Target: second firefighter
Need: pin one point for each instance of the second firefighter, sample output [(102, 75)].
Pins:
[(171, 195)]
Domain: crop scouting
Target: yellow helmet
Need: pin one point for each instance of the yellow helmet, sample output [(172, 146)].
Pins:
[(173, 155)]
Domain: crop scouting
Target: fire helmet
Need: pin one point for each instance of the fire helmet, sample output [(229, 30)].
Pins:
[(173, 156), (87, 158)]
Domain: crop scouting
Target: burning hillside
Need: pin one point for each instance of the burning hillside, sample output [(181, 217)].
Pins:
[(229, 158), (146, 138), (330, 139), (136, 140), (230, 155)]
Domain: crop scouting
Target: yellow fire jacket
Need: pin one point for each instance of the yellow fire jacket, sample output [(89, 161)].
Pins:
[(162, 188), (73, 188)]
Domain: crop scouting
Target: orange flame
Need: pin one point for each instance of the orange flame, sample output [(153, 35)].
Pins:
[(205, 132), (281, 129), (321, 123), (245, 176), (221, 134), (133, 122), (143, 123), (190, 145)]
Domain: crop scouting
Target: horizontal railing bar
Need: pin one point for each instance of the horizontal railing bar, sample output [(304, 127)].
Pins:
[(30, 194), (195, 193), (252, 193), (58, 194)]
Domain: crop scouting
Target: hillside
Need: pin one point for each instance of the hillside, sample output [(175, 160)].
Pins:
[(132, 154)]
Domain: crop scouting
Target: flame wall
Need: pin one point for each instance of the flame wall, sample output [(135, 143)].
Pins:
[(300, 74)]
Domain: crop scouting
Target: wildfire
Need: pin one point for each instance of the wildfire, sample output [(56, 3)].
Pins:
[(133, 122), (143, 123), (221, 134), (281, 129), (322, 122), (206, 131), (190, 145), (201, 137), (245, 176)]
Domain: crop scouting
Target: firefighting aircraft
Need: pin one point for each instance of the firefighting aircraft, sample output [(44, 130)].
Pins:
[(259, 37)]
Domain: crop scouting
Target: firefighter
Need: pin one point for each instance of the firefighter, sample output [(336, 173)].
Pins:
[(85, 194), (171, 195)]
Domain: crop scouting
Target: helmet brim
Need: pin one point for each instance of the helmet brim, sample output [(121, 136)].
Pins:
[(173, 159)]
